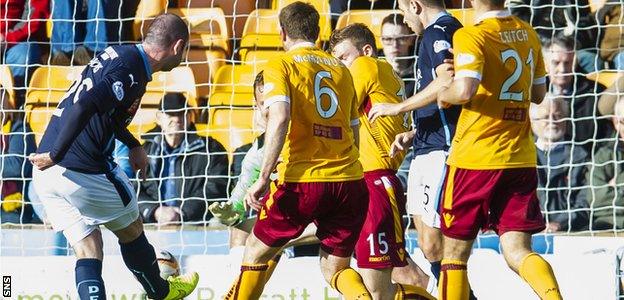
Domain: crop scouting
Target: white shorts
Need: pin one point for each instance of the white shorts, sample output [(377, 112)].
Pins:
[(77, 203), (424, 186)]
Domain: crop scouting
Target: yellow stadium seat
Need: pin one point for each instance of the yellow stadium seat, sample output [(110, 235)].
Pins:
[(180, 80), (595, 5), (204, 64), (146, 12), (38, 118), (49, 84), (322, 6), (238, 117), (207, 27), (237, 78), (605, 77), (372, 19), (261, 31), (231, 99), (464, 15), (6, 82)]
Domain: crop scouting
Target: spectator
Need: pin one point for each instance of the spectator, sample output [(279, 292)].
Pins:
[(399, 43), (22, 25), (16, 143), (184, 171), (587, 125), (561, 169), (607, 177), (107, 22), (611, 43), (398, 48)]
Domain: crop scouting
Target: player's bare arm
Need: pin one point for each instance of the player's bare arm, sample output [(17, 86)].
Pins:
[(42, 161), (401, 142), (459, 92), (139, 161), (277, 126), (538, 92), (423, 98)]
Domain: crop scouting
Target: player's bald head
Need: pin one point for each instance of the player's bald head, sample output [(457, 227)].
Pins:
[(300, 21), (165, 30)]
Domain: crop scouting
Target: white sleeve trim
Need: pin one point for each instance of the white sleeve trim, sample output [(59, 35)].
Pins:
[(275, 99), (355, 122), (468, 73), (540, 80)]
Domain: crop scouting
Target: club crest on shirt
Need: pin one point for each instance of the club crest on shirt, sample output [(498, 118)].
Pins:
[(441, 45), (118, 90)]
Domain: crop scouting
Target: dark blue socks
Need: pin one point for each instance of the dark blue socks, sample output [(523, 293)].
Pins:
[(89, 282), (140, 258)]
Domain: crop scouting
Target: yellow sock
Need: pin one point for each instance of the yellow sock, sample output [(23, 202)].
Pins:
[(453, 280), (539, 275), (249, 284), (406, 292), (272, 264), (349, 283)]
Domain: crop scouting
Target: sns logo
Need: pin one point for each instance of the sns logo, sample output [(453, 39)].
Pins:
[(6, 286)]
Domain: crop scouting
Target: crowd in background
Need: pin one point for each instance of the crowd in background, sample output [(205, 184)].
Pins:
[(579, 128)]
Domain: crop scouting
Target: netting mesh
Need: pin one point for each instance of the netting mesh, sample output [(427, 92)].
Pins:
[(230, 42)]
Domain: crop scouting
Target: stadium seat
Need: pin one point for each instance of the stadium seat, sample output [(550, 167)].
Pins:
[(234, 78), (322, 6), (6, 82), (207, 26), (204, 64), (464, 15), (146, 12), (231, 99), (372, 19), (235, 11), (261, 31), (605, 77), (232, 127), (180, 79), (48, 84), (38, 118)]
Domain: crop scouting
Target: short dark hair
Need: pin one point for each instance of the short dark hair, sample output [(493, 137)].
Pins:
[(166, 29), (300, 21), (259, 80), (433, 3), (357, 33), (396, 19), (561, 40)]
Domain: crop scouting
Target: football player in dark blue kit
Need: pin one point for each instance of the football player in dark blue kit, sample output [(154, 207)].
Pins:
[(80, 185), (434, 126)]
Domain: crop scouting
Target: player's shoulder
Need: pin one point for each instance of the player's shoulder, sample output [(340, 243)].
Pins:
[(471, 32), (364, 63)]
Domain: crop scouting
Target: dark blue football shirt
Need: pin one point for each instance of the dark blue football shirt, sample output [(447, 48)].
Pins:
[(434, 126), (97, 109)]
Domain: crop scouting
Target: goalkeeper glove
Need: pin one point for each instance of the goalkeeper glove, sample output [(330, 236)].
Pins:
[(226, 213)]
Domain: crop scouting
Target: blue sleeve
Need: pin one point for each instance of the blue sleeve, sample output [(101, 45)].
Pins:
[(438, 46), (21, 144)]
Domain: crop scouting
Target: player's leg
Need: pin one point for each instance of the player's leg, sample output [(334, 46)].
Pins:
[(137, 253), (86, 240), (453, 283), (273, 229), (464, 210), (340, 218), (337, 272), (516, 215), (529, 265), (411, 274), (140, 258)]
